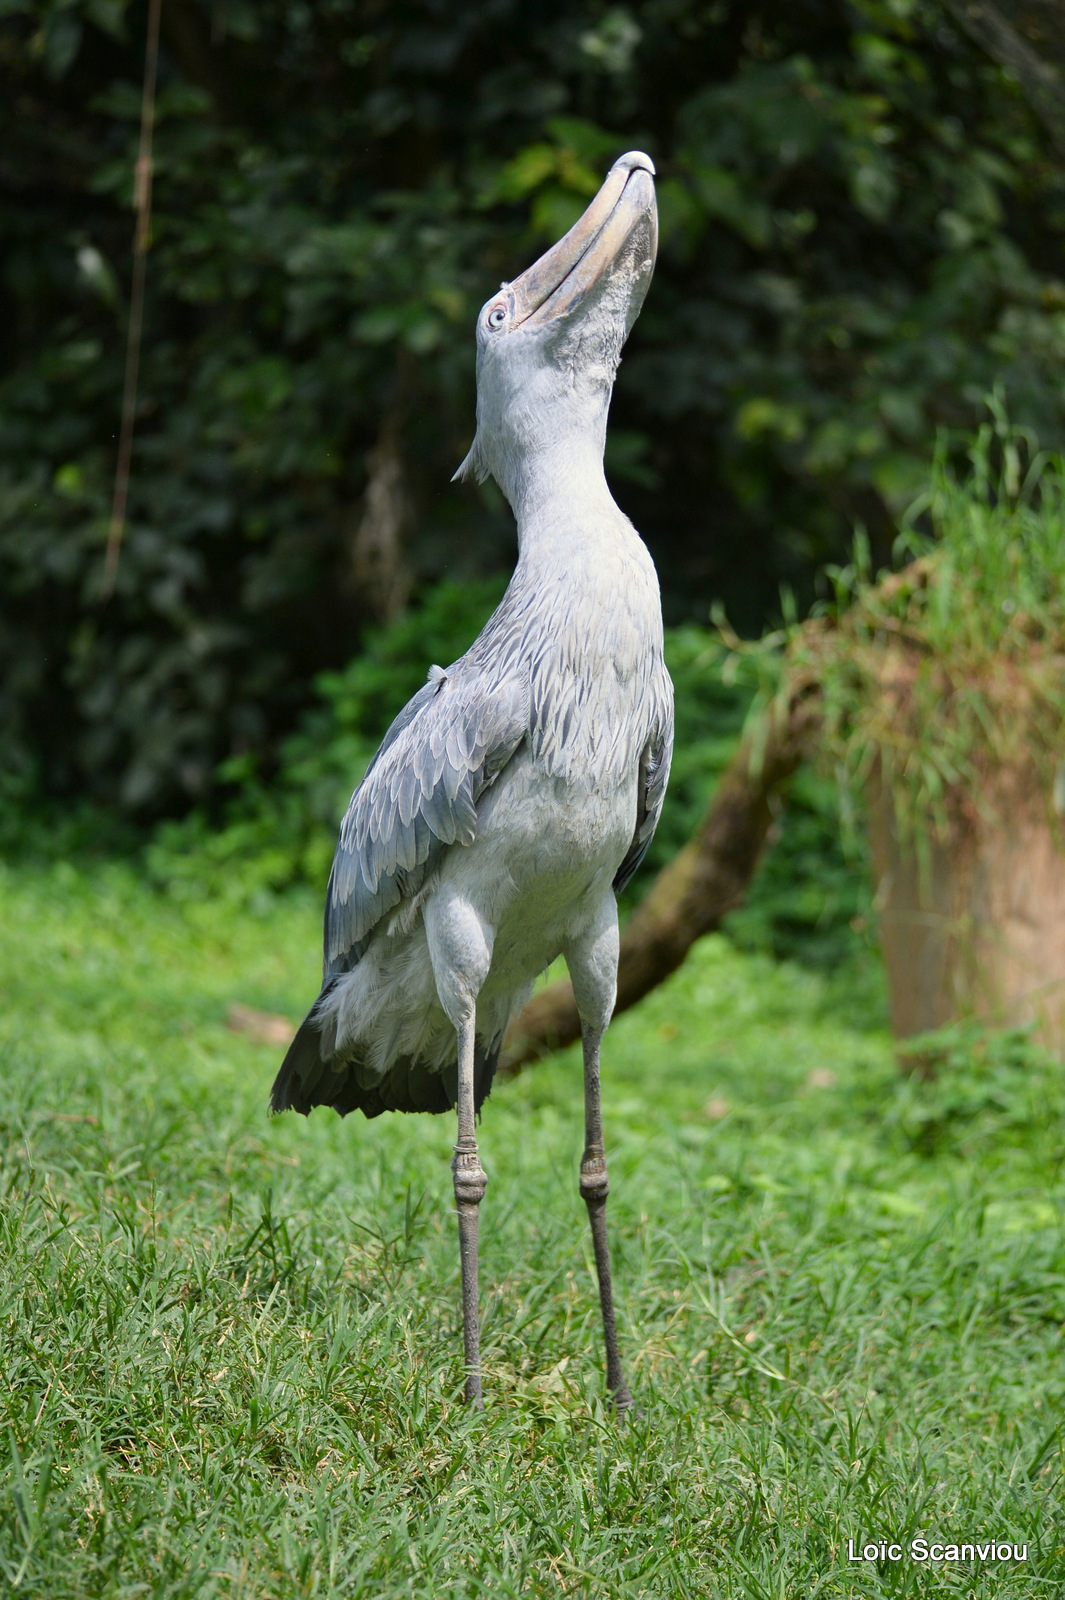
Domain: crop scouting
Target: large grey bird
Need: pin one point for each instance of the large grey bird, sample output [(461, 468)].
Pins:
[(518, 791)]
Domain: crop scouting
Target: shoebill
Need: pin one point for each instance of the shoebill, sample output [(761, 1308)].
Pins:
[(517, 793)]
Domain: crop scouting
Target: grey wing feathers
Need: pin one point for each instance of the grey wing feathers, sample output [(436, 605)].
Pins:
[(418, 796), (654, 775)]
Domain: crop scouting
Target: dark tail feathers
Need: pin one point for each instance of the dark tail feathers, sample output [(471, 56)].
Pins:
[(306, 1080)]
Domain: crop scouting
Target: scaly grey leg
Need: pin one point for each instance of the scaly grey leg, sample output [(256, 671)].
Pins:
[(470, 1182), (595, 1186), (592, 959)]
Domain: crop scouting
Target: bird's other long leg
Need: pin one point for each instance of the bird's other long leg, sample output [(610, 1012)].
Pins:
[(595, 1186), (470, 1183), (593, 965)]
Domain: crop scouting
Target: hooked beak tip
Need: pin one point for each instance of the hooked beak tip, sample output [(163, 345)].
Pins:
[(634, 161)]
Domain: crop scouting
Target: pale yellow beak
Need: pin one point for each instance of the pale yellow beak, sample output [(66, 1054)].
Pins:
[(562, 277)]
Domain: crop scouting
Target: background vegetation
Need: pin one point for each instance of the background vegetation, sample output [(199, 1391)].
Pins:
[(862, 217)]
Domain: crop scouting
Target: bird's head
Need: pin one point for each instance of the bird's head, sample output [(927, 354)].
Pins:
[(548, 344)]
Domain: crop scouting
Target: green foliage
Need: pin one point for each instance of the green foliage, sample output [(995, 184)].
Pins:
[(971, 1089), (232, 1346), (861, 231), (810, 899), (953, 672), (709, 715), (285, 829)]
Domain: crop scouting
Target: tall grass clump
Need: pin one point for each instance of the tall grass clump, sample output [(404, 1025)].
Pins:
[(952, 671)]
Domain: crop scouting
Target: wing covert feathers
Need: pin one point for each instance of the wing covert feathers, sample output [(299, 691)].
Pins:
[(419, 795)]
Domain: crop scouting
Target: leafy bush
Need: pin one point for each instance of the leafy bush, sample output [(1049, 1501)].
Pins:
[(969, 1086), (810, 899), (275, 832)]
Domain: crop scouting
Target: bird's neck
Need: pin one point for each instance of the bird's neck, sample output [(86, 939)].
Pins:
[(561, 494)]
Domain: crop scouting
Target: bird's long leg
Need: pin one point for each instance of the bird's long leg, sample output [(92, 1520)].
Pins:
[(593, 964), (595, 1186), (470, 1183)]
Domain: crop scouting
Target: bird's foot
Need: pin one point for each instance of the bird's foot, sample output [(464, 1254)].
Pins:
[(622, 1404)]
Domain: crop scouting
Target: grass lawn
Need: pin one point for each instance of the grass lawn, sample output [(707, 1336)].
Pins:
[(231, 1347)]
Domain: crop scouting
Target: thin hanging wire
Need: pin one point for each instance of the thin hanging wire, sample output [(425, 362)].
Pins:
[(142, 203)]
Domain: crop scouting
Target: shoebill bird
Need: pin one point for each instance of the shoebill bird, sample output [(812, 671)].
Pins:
[(518, 791)]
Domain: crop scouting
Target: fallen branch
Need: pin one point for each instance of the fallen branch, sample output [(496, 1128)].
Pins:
[(264, 1027)]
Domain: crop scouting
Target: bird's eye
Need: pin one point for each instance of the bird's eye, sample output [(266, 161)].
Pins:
[(497, 316)]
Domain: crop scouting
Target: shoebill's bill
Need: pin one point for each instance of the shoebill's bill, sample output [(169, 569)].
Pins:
[(518, 791)]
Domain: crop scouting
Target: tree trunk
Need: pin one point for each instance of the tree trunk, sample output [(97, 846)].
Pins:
[(974, 928), (379, 570), (1020, 37)]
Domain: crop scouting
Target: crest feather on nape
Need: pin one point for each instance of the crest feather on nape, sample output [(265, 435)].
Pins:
[(475, 468)]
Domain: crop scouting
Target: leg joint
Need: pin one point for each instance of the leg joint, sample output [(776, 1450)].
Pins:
[(469, 1177), (595, 1184)]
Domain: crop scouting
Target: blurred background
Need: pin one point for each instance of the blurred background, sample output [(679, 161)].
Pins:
[(862, 215)]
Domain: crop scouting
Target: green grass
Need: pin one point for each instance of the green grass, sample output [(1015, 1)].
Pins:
[(231, 1347)]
